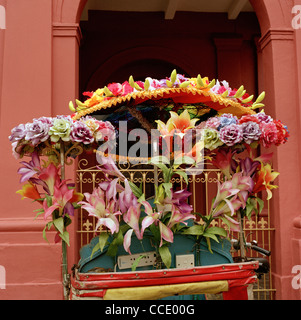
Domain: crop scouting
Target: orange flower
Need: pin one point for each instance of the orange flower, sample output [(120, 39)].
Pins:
[(263, 180), (30, 191), (178, 124)]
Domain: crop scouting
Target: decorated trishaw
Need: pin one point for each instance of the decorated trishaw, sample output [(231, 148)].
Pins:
[(150, 242)]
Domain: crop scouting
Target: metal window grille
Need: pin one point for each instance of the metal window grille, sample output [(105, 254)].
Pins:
[(203, 187)]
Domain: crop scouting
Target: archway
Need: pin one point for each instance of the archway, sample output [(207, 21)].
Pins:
[(277, 75)]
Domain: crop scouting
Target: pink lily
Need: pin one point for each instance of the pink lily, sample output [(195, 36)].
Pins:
[(223, 161), (61, 197), (50, 175), (154, 217), (178, 217), (30, 168), (96, 206), (132, 219), (126, 198), (108, 166)]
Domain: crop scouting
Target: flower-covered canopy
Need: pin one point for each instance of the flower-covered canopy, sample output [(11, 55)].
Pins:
[(220, 121)]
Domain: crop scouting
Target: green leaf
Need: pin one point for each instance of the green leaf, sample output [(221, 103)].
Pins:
[(167, 188), (261, 204), (136, 190), (65, 237), (183, 175), (95, 248), (136, 262), (210, 235), (209, 244), (44, 234), (165, 256), (216, 230), (196, 230), (102, 240), (59, 224), (112, 250)]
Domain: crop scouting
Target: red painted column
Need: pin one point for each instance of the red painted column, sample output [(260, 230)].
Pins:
[(279, 70), (32, 265)]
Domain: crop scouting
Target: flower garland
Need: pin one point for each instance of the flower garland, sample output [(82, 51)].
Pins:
[(250, 129), (44, 133), (218, 91)]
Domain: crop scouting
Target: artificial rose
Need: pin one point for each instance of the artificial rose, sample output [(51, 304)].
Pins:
[(17, 133), (115, 88), (36, 132), (211, 139), (60, 130), (251, 131), (269, 134), (283, 133), (80, 132), (231, 134)]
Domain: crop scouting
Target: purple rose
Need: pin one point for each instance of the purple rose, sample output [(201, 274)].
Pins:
[(251, 131), (231, 134), (263, 117), (47, 120), (227, 119), (37, 132), (17, 133), (80, 132)]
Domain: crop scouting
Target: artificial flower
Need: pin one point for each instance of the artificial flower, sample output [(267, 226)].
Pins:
[(251, 131), (269, 134), (37, 132), (154, 218), (211, 139), (231, 134), (60, 200), (60, 130), (131, 217), (97, 207), (30, 168), (108, 166), (80, 132), (263, 179), (30, 191), (17, 133)]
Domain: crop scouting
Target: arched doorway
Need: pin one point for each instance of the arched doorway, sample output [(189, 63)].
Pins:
[(277, 74)]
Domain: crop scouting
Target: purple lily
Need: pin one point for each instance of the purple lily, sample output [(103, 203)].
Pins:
[(97, 207), (108, 167), (248, 166), (30, 168), (179, 217), (154, 218), (132, 219), (126, 198)]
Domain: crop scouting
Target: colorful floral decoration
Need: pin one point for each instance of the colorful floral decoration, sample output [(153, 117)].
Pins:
[(43, 182), (119, 205)]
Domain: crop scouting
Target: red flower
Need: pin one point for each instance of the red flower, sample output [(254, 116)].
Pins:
[(115, 88), (269, 134), (282, 133), (88, 94), (248, 118), (126, 88)]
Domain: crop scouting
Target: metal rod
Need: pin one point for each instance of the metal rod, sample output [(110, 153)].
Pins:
[(241, 236), (66, 276)]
